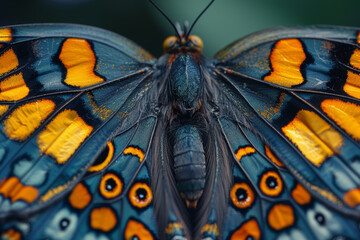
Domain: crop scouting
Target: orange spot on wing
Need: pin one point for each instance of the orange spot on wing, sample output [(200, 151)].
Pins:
[(352, 85), (13, 88), (116, 186), (135, 151), (286, 59), (8, 61), (107, 160), (281, 216), (136, 229), (103, 219), (272, 157), (271, 190), (24, 120), (211, 229), (11, 234), (146, 195), (345, 114), (250, 229), (79, 60), (314, 137), (79, 197), (246, 192), (3, 109), (63, 135), (12, 188), (5, 35), (244, 151), (352, 197), (301, 195)]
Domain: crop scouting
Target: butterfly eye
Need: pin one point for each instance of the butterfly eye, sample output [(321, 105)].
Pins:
[(196, 41), (170, 42)]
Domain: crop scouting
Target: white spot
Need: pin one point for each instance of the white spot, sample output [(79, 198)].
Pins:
[(331, 225), (62, 218), (356, 166), (21, 167), (37, 176), (292, 234), (343, 181)]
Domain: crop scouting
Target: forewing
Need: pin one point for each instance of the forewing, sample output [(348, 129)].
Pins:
[(294, 113), (66, 92)]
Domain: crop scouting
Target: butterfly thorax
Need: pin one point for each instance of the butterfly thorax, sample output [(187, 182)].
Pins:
[(185, 81)]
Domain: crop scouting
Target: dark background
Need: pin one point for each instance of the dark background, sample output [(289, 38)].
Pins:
[(224, 22)]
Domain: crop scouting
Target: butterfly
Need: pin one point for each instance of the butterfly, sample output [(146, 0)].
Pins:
[(100, 140)]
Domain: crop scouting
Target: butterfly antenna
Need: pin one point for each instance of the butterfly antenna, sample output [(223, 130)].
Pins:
[(169, 20), (192, 26)]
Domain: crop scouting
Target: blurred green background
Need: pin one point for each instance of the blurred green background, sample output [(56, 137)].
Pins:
[(224, 22)]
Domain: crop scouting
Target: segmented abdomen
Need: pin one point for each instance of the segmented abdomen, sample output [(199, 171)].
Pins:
[(189, 164)]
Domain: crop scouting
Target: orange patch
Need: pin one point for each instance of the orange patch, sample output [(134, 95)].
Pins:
[(11, 234), (3, 109), (244, 151), (103, 219), (24, 120), (345, 114), (135, 151), (79, 60), (8, 61), (79, 197), (112, 190), (271, 184), (211, 229), (137, 230), (286, 59), (301, 195), (13, 88), (281, 216), (250, 229), (12, 188), (314, 137), (5, 35), (140, 195), (352, 197), (107, 160), (352, 85), (172, 227), (272, 157), (63, 135), (246, 194)]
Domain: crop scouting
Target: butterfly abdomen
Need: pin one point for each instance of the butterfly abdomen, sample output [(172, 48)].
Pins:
[(189, 164)]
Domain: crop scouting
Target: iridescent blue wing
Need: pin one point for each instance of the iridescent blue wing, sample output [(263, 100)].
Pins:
[(75, 116), (291, 118)]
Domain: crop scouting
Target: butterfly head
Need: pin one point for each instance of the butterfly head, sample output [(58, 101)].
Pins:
[(183, 43)]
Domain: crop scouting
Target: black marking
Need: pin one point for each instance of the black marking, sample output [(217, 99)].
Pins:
[(271, 182), (64, 224), (141, 194), (320, 218), (110, 185)]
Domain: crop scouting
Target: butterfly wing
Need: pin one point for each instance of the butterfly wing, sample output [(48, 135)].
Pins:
[(73, 100), (292, 128)]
